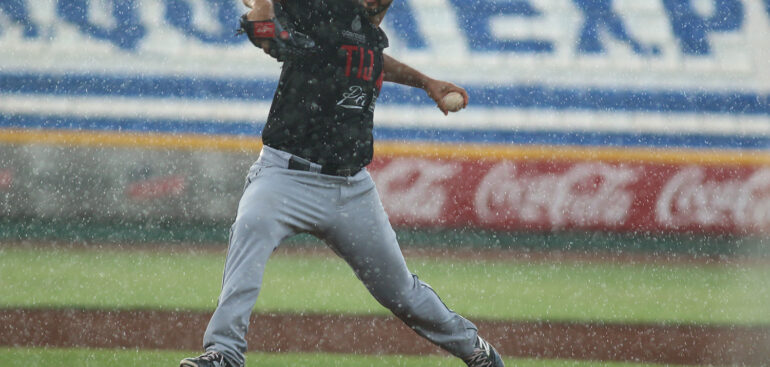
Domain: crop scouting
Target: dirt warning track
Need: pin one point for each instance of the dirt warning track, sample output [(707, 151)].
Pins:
[(148, 329)]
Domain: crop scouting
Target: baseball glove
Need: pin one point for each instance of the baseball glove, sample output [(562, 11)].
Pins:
[(285, 42)]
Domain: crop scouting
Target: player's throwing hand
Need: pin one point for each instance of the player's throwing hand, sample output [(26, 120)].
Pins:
[(438, 89)]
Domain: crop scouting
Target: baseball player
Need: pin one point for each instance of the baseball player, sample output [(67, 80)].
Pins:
[(310, 176)]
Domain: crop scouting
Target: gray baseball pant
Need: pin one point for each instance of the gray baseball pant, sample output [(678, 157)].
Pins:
[(345, 212)]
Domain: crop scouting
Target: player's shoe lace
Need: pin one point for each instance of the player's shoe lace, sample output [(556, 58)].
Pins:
[(208, 359), (484, 355)]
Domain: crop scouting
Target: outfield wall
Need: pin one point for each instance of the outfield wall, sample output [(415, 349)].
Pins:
[(618, 115)]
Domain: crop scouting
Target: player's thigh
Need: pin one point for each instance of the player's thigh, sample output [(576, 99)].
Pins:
[(364, 238), (261, 199), (275, 204)]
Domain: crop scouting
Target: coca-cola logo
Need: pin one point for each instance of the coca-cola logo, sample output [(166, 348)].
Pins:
[(690, 198), (587, 194), (412, 188)]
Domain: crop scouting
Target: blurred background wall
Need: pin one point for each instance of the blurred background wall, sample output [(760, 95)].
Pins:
[(586, 116)]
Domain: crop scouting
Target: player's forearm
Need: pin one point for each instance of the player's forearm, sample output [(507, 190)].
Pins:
[(260, 9), (400, 73)]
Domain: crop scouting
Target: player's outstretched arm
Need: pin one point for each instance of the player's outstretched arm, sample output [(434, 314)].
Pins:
[(400, 73)]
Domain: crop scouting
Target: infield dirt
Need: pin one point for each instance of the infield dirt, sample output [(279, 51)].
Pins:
[(148, 329)]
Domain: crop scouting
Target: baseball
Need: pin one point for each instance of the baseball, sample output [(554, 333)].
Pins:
[(453, 101)]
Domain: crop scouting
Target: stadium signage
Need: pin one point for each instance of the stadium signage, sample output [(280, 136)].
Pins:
[(654, 75), (693, 197), (622, 60), (547, 195), (588, 193), (125, 24)]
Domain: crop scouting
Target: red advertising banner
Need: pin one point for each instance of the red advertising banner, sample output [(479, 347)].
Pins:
[(595, 195)]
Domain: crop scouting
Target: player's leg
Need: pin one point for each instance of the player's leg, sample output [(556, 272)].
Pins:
[(254, 235), (275, 204), (363, 236)]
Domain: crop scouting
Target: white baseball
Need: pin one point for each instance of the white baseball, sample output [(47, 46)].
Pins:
[(453, 101)]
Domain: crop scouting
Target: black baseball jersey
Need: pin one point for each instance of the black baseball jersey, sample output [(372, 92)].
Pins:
[(323, 107)]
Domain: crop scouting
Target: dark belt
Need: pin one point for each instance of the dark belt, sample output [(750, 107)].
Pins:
[(299, 165)]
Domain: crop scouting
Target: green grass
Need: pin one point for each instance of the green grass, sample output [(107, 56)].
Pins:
[(55, 277), (38, 357)]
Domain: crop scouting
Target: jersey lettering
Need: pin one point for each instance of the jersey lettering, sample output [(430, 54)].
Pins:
[(365, 58)]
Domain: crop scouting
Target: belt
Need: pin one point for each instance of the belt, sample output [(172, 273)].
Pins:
[(300, 164)]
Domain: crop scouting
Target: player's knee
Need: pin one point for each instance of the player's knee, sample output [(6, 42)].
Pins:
[(403, 307), (410, 298)]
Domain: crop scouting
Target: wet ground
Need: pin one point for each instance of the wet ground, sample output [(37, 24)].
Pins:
[(182, 330)]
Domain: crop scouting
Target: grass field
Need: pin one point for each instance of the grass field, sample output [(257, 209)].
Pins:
[(54, 277), (144, 358)]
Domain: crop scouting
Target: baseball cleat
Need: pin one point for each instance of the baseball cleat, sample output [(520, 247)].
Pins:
[(484, 355), (208, 359)]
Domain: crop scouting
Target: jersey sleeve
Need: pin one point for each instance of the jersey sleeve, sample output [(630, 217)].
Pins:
[(383, 39)]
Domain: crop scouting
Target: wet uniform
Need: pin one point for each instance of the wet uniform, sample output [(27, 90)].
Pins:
[(323, 108), (310, 178)]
